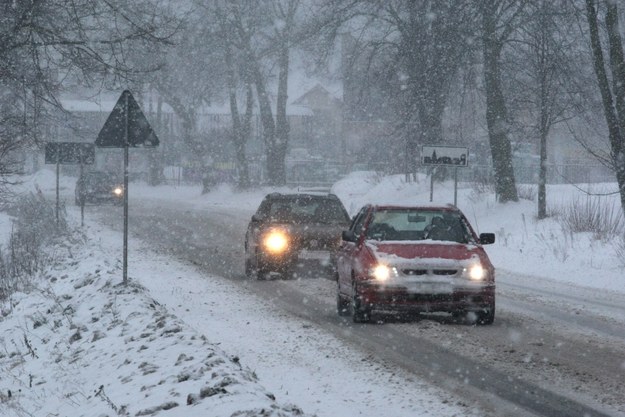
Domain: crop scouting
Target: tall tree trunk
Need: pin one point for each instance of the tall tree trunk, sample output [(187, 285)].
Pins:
[(542, 173), (240, 129), (431, 128), (155, 172), (617, 64), (269, 127), (544, 126), (545, 111), (282, 123), (246, 131), (612, 118), (496, 112)]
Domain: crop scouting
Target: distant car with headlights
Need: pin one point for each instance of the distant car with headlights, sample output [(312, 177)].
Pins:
[(289, 228), (97, 187), (414, 259)]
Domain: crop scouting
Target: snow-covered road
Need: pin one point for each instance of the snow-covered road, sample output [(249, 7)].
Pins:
[(547, 352)]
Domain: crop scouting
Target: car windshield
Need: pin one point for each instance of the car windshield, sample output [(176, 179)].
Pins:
[(95, 178), (308, 210), (417, 224)]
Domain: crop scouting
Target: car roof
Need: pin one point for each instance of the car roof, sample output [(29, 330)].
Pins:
[(98, 173), (293, 196), (422, 206)]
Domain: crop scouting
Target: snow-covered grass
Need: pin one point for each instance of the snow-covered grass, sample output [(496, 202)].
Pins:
[(82, 344)]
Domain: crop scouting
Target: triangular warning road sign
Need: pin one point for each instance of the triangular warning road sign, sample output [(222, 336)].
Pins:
[(113, 132)]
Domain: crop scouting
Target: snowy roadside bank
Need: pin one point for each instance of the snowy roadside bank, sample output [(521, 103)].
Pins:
[(81, 344)]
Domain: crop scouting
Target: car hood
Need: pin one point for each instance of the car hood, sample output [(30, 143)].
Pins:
[(313, 235), (427, 251)]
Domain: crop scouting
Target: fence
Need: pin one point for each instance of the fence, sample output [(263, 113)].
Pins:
[(324, 174), (556, 174)]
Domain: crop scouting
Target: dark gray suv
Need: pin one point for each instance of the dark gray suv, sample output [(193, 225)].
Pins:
[(98, 187), (292, 229)]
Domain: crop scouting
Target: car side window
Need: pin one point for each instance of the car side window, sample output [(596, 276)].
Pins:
[(263, 209), (359, 222)]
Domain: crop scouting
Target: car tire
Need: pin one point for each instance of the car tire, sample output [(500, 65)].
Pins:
[(360, 313), (261, 272), (486, 316), (342, 305), (249, 271), (286, 271)]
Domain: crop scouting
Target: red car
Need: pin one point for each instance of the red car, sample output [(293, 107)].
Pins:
[(414, 259)]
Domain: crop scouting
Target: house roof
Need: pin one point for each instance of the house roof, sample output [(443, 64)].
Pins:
[(317, 90)]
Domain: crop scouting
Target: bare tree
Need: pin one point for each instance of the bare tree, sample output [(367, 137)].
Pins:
[(613, 97), (433, 39), (241, 123), (402, 59), (45, 43), (264, 32), (541, 49), (499, 19), (190, 80)]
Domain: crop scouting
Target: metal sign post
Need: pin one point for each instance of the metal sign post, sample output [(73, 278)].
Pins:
[(438, 155), (58, 164), (82, 200), (68, 153), (125, 273), (126, 126)]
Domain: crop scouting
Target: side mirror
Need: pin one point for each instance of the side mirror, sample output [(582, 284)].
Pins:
[(348, 236), (487, 238)]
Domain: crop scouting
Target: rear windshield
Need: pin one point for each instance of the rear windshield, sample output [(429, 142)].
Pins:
[(307, 210)]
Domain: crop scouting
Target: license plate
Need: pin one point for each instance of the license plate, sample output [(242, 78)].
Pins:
[(430, 288)]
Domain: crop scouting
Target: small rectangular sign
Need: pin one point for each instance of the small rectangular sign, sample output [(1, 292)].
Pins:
[(70, 153), (444, 155)]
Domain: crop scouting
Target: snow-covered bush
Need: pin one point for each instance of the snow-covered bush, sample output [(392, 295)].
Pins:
[(592, 215), (34, 226), (527, 192)]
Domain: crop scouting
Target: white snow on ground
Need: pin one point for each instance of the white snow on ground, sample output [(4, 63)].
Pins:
[(179, 343)]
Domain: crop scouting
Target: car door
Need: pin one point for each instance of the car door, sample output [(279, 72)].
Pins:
[(347, 252)]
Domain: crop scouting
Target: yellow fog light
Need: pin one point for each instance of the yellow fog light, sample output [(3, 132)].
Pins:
[(276, 241), (477, 272)]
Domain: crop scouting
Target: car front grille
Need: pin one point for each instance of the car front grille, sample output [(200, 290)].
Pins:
[(319, 244), (415, 271)]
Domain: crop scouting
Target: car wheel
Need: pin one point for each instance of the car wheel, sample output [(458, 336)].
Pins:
[(258, 268), (360, 313), (261, 274), (332, 269), (261, 271), (249, 271), (486, 316), (286, 271), (342, 305)]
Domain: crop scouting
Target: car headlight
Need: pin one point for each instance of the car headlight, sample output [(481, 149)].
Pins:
[(276, 241), (476, 272), (382, 272), (118, 191)]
